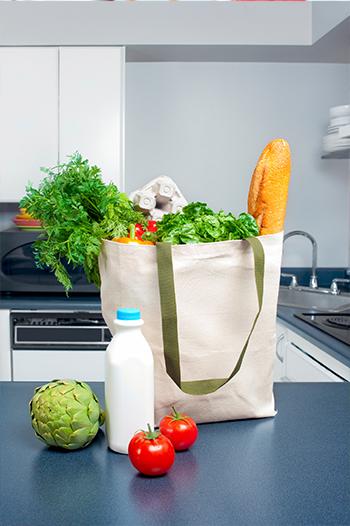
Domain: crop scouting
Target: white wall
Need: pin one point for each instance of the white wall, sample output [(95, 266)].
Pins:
[(205, 124)]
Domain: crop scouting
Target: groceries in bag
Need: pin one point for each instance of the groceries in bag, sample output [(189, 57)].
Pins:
[(78, 211), (158, 197), (133, 238), (268, 192), (210, 307)]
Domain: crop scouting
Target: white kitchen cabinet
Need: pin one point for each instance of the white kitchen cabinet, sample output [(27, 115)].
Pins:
[(92, 107), (29, 117), (301, 367), (43, 366), (5, 345), (298, 360), (55, 101)]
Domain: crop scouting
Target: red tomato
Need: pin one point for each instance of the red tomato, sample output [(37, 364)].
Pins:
[(180, 429), (151, 453)]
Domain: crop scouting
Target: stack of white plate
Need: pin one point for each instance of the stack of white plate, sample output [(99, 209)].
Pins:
[(338, 136)]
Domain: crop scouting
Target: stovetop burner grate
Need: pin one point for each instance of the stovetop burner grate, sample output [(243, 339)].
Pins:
[(342, 322), (335, 324)]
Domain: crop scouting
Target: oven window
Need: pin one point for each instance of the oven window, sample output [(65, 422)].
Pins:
[(19, 265)]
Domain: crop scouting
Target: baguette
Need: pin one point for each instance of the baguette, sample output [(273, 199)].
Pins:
[(268, 192)]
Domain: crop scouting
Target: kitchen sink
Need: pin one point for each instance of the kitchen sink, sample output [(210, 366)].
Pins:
[(313, 299)]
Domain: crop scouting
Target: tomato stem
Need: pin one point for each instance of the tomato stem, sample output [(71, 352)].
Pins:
[(176, 415), (151, 434)]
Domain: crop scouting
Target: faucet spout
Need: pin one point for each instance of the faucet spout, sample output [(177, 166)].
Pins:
[(313, 278)]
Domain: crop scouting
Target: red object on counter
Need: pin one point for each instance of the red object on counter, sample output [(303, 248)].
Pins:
[(151, 453), (181, 430)]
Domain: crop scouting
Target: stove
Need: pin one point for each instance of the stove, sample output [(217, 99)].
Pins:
[(334, 324)]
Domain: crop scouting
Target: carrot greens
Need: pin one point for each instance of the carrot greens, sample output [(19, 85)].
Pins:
[(77, 210)]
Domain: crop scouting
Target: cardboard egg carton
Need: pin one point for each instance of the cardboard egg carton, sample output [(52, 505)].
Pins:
[(158, 197)]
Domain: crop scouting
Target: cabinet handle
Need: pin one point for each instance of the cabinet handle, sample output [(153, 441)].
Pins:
[(280, 357)]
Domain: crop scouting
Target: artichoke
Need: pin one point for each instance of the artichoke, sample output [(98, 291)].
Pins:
[(66, 414)]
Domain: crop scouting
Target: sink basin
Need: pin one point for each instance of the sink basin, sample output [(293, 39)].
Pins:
[(311, 299)]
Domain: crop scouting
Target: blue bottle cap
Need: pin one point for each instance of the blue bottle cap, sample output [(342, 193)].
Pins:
[(128, 314)]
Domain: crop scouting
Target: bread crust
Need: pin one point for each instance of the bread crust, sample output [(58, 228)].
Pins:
[(268, 192)]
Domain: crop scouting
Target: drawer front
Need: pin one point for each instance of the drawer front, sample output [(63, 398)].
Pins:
[(300, 367), (43, 366)]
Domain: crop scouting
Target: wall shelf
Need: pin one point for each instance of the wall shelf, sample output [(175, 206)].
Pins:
[(340, 154)]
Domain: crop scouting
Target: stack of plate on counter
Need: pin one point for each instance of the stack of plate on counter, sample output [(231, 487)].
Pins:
[(25, 221), (338, 136)]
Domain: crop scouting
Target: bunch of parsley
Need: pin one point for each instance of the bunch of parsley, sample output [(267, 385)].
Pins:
[(77, 210), (197, 223)]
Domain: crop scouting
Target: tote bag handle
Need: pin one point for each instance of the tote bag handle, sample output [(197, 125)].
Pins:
[(169, 319)]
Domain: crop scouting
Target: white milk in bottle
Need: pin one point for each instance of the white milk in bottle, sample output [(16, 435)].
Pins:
[(129, 381)]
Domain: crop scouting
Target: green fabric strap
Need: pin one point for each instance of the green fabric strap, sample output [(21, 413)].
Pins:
[(169, 319)]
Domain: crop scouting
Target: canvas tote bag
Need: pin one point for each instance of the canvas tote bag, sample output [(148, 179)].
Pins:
[(210, 319)]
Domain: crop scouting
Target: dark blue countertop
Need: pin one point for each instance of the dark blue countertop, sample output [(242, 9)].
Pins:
[(292, 470)]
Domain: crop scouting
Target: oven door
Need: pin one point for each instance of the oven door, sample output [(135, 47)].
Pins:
[(58, 344)]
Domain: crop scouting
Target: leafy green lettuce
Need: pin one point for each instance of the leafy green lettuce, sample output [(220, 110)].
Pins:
[(197, 223)]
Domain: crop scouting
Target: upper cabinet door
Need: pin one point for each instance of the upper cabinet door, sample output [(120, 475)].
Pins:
[(28, 117), (92, 107)]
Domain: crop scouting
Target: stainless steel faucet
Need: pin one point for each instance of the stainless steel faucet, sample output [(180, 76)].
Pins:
[(293, 279), (334, 285), (313, 279)]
